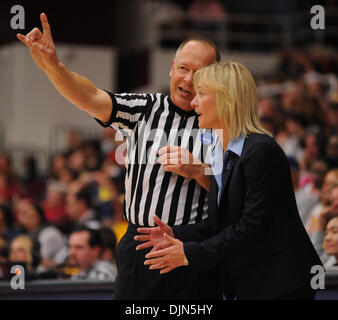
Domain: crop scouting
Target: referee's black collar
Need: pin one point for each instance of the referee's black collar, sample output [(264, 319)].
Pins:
[(180, 111)]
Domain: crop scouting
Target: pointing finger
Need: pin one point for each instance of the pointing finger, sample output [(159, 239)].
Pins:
[(45, 25)]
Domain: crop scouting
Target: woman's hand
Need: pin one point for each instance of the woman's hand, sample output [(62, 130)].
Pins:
[(169, 258)]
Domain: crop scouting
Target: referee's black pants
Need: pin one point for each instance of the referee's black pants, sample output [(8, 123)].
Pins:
[(135, 280)]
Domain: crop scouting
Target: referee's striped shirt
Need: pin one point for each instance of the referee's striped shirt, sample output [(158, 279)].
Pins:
[(150, 122)]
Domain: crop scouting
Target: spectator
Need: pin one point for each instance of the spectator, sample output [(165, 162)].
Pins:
[(93, 155), (108, 245), (54, 204), (59, 162), (67, 176), (290, 138), (308, 196), (84, 254), (294, 168), (80, 209), (331, 178), (330, 243), (313, 150), (76, 161), (46, 237), (206, 15), (34, 185), (318, 228), (9, 189), (332, 151), (74, 142), (22, 250), (3, 252), (7, 229)]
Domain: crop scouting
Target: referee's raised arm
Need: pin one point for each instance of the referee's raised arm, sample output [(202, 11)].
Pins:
[(75, 88)]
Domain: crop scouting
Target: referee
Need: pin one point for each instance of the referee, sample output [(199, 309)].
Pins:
[(175, 193)]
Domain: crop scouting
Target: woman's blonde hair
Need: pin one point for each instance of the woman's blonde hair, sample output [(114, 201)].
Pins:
[(236, 96), (28, 246)]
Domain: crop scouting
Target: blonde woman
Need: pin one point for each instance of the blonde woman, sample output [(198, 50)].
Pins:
[(253, 235), (21, 250)]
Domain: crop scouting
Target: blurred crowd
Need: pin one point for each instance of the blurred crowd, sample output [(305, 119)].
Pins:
[(67, 222), (301, 111)]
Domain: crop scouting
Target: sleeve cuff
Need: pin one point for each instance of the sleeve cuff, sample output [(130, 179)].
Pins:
[(113, 113)]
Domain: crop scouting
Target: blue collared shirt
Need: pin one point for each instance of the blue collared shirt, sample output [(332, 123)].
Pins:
[(217, 159)]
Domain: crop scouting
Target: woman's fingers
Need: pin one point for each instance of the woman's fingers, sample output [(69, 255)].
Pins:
[(144, 245), (142, 238), (165, 270), (155, 261), (144, 230)]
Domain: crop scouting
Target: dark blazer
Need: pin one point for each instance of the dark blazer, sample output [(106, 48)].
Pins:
[(255, 236)]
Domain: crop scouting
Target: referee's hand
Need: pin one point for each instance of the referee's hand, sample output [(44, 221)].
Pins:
[(180, 161), (41, 45)]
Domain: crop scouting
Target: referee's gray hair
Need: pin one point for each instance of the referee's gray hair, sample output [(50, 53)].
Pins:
[(203, 40)]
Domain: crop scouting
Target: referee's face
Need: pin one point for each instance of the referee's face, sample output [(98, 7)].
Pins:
[(193, 56)]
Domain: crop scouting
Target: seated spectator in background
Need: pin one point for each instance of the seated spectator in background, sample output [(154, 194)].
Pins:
[(54, 205), (84, 254), (5, 165), (107, 143), (47, 237), (7, 229), (332, 117), (74, 142), (331, 178), (312, 152), (59, 162), (93, 155), (332, 151), (294, 168), (108, 245), (67, 177), (290, 138), (22, 249), (330, 243), (206, 14), (34, 186), (318, 225), (80, 209), (3, 252), (9, 189), (76, 161), (308, 196)]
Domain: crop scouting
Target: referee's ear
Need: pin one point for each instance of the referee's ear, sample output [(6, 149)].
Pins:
[(172, 68)]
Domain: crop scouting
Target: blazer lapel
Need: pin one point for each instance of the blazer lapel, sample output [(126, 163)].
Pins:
[(212, 202), (232, 159)]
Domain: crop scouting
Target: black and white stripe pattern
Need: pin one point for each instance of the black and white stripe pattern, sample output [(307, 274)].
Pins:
[(151, 122)]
